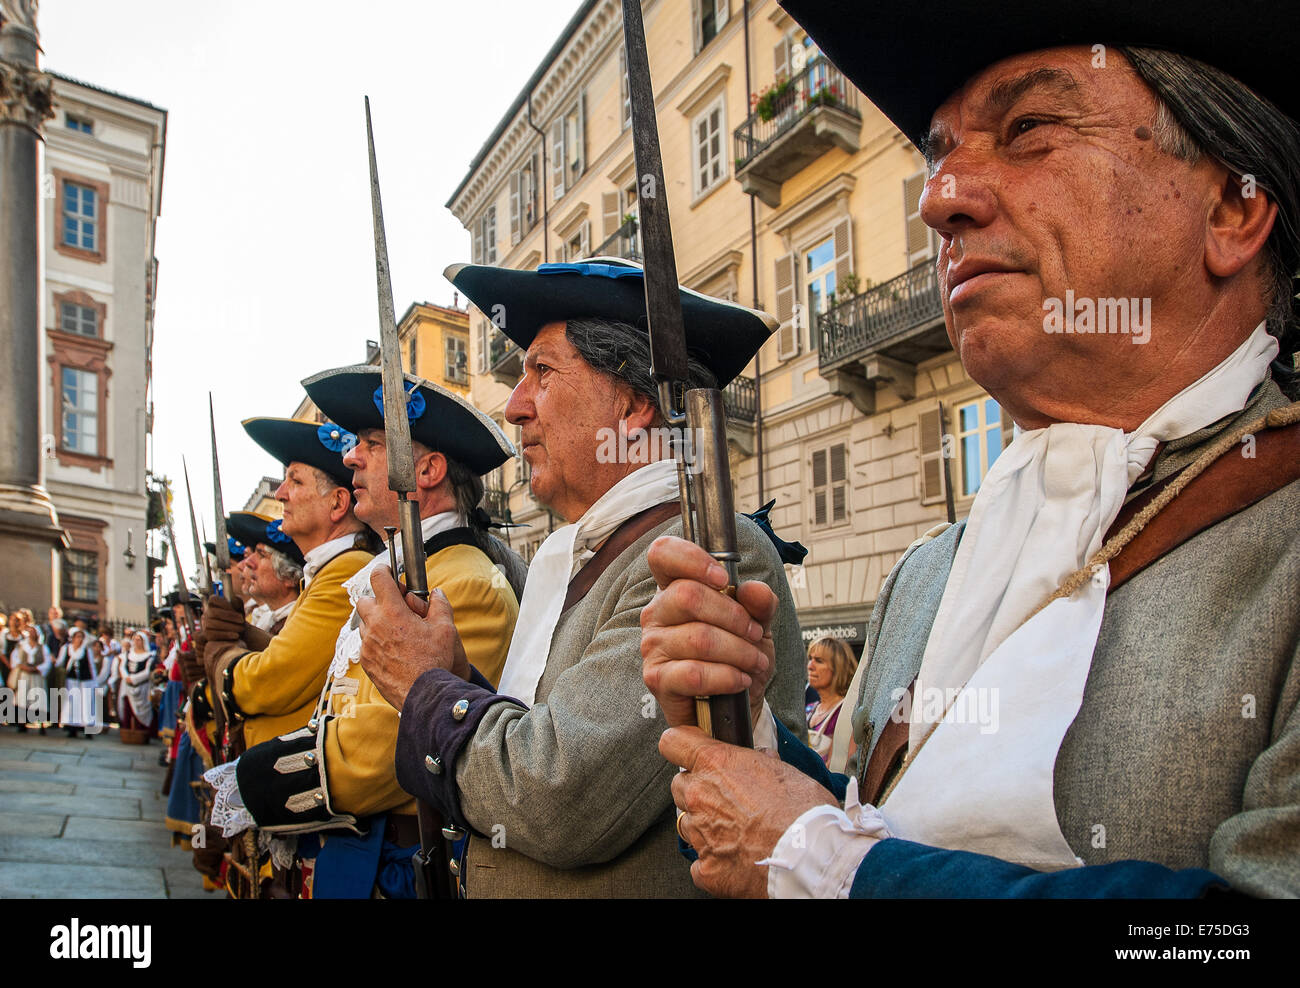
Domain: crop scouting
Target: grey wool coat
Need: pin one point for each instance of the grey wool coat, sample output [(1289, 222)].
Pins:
[(1186, 749), (571, 797)]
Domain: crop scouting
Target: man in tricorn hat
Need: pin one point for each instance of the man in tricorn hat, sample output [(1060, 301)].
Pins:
[(1124, 588), (270, 685), (272, 568), (354, 730), (556, 774)]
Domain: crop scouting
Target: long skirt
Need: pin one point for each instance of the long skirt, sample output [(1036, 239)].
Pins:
[(31, 698), (82, 701)]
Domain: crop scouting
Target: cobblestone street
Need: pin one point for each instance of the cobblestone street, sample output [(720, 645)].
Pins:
[(84, 820)]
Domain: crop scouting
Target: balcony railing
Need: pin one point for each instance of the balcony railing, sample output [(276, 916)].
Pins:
[(505, 360), (738, 399), (624, 242), (783, 109), (497, 504), (868, 321)]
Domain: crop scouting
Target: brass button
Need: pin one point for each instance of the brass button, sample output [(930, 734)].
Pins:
[(310, 758), (459, 709), (433, 764), (312, 724), (455, 867), (452, 832), (318, 796)]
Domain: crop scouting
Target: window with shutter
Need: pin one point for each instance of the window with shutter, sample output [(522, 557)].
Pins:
[(787, 343), (490, 235), (625, 92), (697, 27), (930, 426), (709, 166), (557, 159), (830, 486), (611, 216), (482, 340), (515, 234), (584, 239), (979, 442), (920, 238), (781, 59)]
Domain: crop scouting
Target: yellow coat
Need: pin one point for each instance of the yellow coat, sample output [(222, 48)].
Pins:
[(361, 739), (278, 688)]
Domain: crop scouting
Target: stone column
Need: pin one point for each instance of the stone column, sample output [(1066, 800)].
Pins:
[(30, 536)]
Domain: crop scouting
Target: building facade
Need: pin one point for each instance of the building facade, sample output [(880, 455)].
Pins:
[(102, 195), (857, 414)]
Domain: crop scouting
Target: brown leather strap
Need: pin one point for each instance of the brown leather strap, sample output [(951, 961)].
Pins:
[(613, 547), (889, 750), (1230, 484)]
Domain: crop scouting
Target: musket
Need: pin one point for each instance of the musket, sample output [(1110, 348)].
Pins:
[(200, 556), (433, 879), (221, 541), (708, 505), (180, 576)]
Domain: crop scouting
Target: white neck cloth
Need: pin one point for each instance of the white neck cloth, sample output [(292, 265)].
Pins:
[(565, 551), (347, 647), (985, 784)]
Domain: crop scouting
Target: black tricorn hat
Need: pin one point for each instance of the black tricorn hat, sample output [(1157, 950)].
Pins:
[(440, 420), (253, 529), (908, 58), (295, 441), (724, 336)]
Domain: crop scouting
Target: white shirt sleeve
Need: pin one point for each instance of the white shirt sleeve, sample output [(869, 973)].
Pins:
[(818, 856)]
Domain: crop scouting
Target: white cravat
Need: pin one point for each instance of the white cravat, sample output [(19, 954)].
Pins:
[(322, 554), (565, 551), (347, 647)]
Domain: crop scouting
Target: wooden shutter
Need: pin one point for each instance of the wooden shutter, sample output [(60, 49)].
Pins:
[(516, 181), (721, 11), (476, 252), (781, 58), (585, 238), (624, 96), (611, 216), (931, 446), (839, 471), (697, 26), (481, 336), (490, 235), (918, 234), (787, 343), (843, 255), (558, 163), (819, 487)]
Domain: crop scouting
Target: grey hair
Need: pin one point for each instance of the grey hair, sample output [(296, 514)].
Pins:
[(1203, 110), (622, 351), (283, 567)]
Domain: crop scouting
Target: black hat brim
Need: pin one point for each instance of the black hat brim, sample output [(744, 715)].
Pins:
[(250, 529), (449, 424), (722, 335), (908, 58), (293, 441)]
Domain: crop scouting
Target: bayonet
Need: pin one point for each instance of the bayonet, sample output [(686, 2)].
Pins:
[(947, 469), (221, 543), (200, 555), (183, 585), (397, 427), (708, 504)]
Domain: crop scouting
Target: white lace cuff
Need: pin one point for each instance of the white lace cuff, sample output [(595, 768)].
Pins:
[(817, 857), (228, 810)]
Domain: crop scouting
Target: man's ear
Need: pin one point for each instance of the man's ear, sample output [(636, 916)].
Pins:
[(430, 469), (640, 412), (1238, 226), (342, 504)]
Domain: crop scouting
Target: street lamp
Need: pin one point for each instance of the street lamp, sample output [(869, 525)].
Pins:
[(129, 553)]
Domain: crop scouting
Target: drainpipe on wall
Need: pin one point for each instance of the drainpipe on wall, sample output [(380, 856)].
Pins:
[(753, 255), (541, 185)]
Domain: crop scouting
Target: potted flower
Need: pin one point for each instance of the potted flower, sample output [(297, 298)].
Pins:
[(774, 99)]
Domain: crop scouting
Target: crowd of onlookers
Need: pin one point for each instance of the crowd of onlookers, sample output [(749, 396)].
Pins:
[(64, 674)]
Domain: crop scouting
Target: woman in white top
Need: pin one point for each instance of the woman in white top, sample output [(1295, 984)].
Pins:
[(29, 663), (86, 671)]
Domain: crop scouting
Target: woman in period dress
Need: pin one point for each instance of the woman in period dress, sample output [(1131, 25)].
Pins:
[(831, 666), (29, 664), (85, 671), (134, 708)]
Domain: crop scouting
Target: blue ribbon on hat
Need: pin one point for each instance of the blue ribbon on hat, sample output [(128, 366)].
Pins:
[(234, 546), (595, 269), (275, 534), (414, 402), (336, 438)]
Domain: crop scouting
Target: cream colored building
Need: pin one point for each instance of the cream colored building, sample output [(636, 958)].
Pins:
[(103, 174), (849, 438)]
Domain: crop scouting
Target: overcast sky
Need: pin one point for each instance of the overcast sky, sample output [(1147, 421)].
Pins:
[(264, 244)]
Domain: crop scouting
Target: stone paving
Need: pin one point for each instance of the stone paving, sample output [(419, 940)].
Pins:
[(84, 820)]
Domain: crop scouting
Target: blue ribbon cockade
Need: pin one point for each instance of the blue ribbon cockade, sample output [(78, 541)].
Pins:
[(414, 402), (274, 534), (234, 546), (336, 438), (588, 268)]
